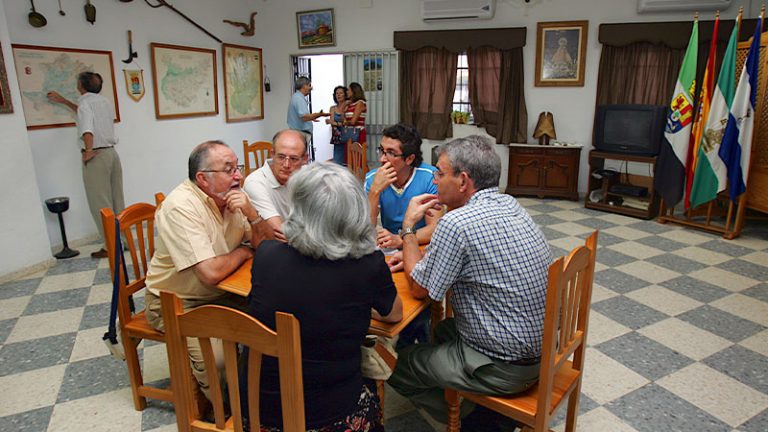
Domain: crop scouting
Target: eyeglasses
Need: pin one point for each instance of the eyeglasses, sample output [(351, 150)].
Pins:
[(230, 171), (437, 175), (388, 153), (292, 159)]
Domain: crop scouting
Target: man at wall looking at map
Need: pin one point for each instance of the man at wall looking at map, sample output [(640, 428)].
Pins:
[(102, 171)]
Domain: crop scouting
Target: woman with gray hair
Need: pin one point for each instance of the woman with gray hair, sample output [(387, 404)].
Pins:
[(331, 277)]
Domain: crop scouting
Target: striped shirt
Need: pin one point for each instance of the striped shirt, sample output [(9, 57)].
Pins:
[(494, 258)]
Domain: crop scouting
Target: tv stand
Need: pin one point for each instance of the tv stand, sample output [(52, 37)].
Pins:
[(600, 197)]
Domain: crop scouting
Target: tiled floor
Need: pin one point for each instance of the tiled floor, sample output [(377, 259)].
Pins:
[(678, 336)]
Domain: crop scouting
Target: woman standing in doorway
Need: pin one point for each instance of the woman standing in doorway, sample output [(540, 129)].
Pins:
[(354, 115), (336, 121)]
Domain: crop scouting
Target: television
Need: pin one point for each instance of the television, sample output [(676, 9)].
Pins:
[(630, 129)]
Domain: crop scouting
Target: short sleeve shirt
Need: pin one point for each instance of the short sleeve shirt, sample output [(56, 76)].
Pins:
[(95, 115), (495, 259), (394, 202), (191, 229), (267, 195), (296, 110)]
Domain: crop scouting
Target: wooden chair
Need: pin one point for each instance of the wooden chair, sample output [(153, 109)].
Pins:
[(569, 293), (137, 231), (232, 327), (261, 151), (159, 198), (357, 159)]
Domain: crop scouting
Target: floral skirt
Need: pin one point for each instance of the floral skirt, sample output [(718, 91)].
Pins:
[(367, 418)]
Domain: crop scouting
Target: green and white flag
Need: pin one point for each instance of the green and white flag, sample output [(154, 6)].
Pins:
[(711, 173)]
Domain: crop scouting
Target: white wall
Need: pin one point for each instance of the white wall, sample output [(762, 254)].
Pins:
[(22, 234), (154, 152)]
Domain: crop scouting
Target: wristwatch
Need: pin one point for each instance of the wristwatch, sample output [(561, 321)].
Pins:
[(405, 231)]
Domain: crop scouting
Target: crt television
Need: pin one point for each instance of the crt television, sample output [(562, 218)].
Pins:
[(630, 129)]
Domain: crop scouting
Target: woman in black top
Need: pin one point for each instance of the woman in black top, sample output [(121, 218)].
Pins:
[(332, 278)]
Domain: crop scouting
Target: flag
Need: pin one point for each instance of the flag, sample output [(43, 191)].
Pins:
[(737, 142), (709, 176), (669, 179), (705, 100)]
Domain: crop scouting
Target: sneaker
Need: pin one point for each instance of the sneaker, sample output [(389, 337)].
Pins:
[(101, 253)]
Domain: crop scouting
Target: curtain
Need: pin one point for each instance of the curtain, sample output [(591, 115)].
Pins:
[(639, 73), (428, 78)]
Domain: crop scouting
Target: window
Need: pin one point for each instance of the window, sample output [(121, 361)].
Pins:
[(461, 94)]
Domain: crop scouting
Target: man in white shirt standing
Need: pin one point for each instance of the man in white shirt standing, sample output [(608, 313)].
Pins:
[(102, 171), (266, 187)]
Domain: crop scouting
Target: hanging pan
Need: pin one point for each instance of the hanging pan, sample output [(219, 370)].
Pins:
[(36, 19)]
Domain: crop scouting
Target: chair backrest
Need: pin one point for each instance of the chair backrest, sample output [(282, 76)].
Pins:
[(261, 151), (569, 296), (232, 327), (159, 198), (357, 159), (137, 230)]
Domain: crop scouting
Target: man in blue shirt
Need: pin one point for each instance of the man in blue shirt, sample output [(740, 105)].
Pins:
[(492, 256), (299, 117), (402, 176)]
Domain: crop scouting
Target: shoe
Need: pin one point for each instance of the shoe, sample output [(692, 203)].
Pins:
[(482, 419), (101, 253)]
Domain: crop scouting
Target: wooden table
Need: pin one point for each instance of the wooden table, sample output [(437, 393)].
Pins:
[(239, 283)]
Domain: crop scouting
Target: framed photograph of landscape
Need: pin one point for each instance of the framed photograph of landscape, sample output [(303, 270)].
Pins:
[(41, 70), (184, 81), (6, 107), (316, 28), (243, 83), (560, 53)]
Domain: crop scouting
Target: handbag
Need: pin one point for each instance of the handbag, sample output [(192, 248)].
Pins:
[(349, 133), (372, 365)]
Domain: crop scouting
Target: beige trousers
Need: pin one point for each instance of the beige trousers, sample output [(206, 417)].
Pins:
[(103, 180)]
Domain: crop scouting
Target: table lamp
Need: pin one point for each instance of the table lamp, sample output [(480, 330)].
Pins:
[(545, 128)]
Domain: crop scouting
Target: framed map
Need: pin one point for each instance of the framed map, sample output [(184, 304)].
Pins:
[(243, 96), (6, 106), (184, 81), (43, 69)]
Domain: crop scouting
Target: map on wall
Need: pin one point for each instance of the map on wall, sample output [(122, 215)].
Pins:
[(242, 83), (44, 69), (184, 81)]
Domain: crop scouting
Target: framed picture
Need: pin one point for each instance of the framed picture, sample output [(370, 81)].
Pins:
[(44, 69), (6, 106), (243, 95), (316, 28), (134, 83), (184, 81), (560, 50)]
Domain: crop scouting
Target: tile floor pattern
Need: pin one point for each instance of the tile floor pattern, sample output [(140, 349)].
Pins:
[(678, 336)]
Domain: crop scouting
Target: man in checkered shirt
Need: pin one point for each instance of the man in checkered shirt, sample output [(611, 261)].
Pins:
[(492, 256)]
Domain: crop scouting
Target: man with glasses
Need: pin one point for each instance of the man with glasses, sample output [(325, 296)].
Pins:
[(201, 226), (402, 175), (266, 187), (494, 258)]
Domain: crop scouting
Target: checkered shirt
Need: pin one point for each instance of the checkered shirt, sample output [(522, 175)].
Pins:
[(494, 258)]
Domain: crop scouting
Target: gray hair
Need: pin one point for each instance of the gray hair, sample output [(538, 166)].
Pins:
[(301, 82), (475, 156), (281, 132), (198, 159), (330, 216)]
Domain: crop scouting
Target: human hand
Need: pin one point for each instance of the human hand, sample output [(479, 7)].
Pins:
[(279, 235), (386, 239), (384, 177), (56, 97), (419, 206), (88, 155), (395, 262), (237, 199)]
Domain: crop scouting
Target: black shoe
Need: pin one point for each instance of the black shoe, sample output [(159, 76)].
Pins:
[(482, 419), (101, 253)]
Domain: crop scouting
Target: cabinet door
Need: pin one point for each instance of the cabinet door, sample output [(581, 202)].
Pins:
[(559, 172), (525, 171)]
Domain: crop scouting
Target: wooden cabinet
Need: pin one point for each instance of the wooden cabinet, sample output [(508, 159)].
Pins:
[(609, 192), (544, 171)]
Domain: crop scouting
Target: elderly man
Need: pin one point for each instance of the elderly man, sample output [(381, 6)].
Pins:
[(266, 187), (102, 171), (201, 226), (492, 256), (299, 116)]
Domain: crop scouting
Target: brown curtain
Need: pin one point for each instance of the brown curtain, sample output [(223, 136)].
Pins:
[(639, 73), (428, 78), (496, 92)]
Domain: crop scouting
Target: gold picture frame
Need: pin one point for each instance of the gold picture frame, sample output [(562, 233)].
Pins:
[(6, 106), (243, 83), (561, 48), (184, 81), (316, 28)]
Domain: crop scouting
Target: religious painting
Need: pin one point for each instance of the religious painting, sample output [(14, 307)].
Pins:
[(560, 53), (316, 28)]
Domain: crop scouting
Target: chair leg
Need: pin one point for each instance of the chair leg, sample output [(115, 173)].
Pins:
[(380, 391), (454, 405), (134, 371), (573, 409)]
